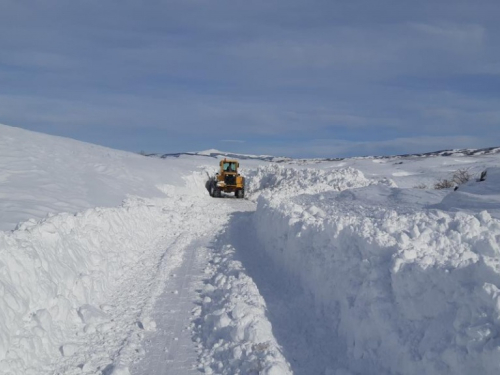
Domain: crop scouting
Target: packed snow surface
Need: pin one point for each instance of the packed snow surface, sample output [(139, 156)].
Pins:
[(114, 263)]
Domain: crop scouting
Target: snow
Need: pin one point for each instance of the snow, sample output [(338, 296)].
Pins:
[(284, 181), (236, 333), (410, 290), (56, 272), (116, 263), (41, 174)]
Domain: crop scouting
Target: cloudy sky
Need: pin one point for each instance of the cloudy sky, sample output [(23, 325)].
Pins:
[(283, 77)]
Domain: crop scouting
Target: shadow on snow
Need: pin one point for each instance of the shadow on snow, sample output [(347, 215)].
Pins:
[(309, 345)]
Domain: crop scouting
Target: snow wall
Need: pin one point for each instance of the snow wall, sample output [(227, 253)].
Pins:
[(401, 292), (53, 273)]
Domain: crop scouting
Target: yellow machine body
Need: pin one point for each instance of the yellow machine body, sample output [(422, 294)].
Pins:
[(228, 180)]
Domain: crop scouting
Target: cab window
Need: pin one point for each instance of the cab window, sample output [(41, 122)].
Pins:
[(229, 167)]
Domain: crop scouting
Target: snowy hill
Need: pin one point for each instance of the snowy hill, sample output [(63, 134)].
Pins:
[(43, 174), (113, 263)]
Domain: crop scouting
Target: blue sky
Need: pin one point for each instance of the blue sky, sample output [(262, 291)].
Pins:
[(285, 77)]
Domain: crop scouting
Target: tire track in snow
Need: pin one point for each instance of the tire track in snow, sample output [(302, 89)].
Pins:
[(183, 289), (171, 350)]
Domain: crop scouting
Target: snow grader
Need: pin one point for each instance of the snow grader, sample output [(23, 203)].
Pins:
[(227, 180)]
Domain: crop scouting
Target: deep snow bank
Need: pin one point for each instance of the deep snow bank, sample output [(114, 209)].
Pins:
[(406, 290), (55, 274), (286, 181)]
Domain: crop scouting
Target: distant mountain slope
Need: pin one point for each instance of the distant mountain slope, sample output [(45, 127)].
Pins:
[(217, 154), (212, 153)]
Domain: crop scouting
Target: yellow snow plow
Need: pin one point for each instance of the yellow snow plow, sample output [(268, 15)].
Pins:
[(227, 180)]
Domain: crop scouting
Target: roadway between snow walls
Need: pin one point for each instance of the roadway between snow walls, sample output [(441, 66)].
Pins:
[(406, 293)]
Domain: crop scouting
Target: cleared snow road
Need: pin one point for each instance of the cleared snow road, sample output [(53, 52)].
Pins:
[(170, 349), (185, 305), (197, 324), (148, 314)]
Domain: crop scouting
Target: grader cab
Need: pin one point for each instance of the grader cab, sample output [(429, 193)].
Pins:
[(227, 180)]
